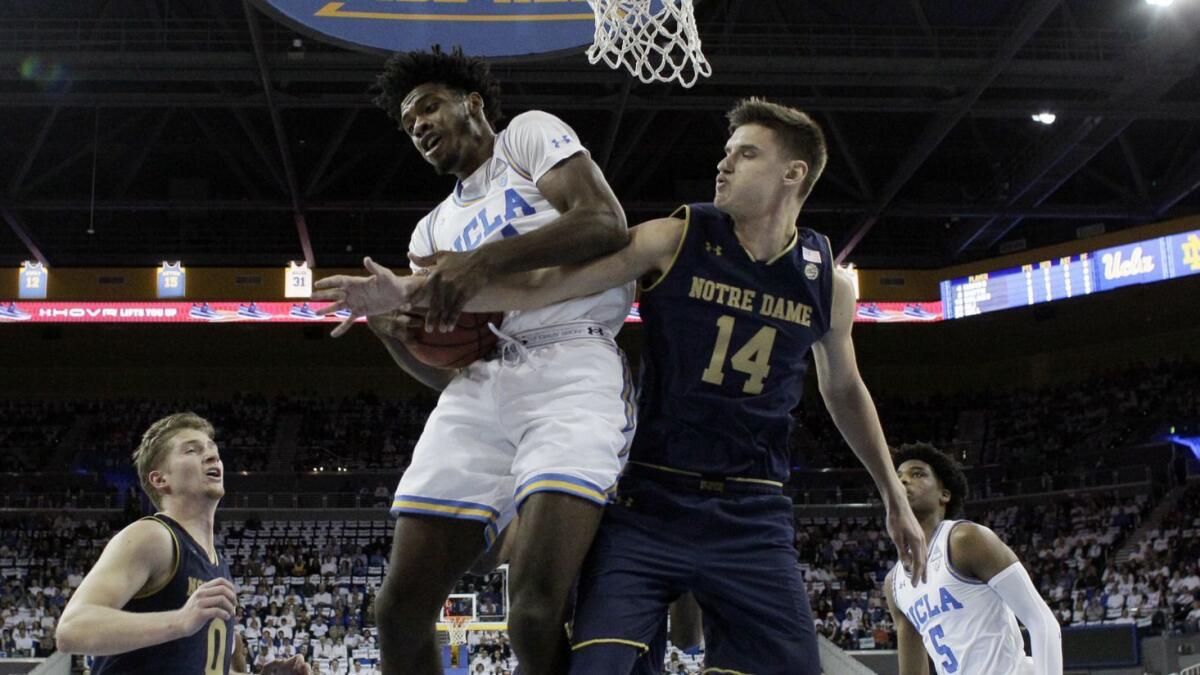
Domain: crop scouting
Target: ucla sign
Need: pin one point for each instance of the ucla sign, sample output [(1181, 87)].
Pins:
[(491, 28)]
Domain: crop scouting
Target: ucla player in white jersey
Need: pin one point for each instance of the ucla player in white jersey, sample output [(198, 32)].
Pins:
[(542, 429), (965, 613)]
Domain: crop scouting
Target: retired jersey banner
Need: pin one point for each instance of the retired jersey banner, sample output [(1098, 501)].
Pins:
[(33, 277), (306, 312), (491, 28), (297, 281), (172, 280)]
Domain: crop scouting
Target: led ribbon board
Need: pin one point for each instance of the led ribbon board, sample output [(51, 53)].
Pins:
[(305, 312), (491, 28), (1142, 262)]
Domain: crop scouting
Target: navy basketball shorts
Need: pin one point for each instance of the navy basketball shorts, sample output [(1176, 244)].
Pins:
[(734, 552)]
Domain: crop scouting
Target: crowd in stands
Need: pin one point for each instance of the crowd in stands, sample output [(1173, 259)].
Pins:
[(1053, 435), (245, 427), (307, 587), (1161, 575), (28, 428), (1065, 545), (359, 432), (1050, 430)]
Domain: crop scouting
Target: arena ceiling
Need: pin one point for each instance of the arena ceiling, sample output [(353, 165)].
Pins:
[(137, 130)]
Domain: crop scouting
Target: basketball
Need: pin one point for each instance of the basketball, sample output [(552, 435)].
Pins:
[(470, 341)]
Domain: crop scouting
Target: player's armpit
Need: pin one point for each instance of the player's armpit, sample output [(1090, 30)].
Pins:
[(977, 552), (651, 249), (909, 647)]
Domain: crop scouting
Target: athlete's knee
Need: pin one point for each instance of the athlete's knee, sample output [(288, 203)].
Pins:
[(603, 658), (529, 617), (400, 605)]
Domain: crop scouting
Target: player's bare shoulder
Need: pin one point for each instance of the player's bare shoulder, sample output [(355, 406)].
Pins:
[(977, 550), (146, 543), (148, 537)]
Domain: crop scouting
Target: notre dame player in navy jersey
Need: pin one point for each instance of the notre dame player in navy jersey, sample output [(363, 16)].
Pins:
[(160, 598), (734, 296)]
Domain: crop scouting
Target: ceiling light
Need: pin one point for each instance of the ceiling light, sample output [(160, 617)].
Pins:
[(1160, 3), (1044, 117)]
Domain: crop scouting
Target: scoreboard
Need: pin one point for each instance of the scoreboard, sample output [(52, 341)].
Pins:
[(1102, 270)]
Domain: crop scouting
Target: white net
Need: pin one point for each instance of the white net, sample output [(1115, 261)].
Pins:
[(456, 627), (660, 46)]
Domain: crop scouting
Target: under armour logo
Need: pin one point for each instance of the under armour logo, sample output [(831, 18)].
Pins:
[(559, 142), (592, 330), (716, 250)]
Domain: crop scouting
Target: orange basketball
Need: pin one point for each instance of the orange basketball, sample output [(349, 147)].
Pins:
[(470, 341)]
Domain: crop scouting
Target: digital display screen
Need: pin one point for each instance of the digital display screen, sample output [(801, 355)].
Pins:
[(1073, 276)]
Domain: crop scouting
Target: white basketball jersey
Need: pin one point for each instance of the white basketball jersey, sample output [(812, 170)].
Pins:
[(501, 199), (967, 629)]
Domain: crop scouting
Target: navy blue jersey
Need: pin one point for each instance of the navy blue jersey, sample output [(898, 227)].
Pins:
[(210, 650), (727, 340)]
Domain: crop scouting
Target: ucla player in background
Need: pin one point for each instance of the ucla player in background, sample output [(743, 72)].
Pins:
[(965, 612), (160, 598), (541, 429), (734, 296)]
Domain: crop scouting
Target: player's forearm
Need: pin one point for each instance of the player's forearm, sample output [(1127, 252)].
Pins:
[(913, 660), (579, 234), (1016, 589), (521, 291), (854, 414), (434, 378), (102, 631)]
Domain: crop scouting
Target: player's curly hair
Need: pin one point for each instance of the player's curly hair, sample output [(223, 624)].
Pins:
[(947, 470), (405, 71)]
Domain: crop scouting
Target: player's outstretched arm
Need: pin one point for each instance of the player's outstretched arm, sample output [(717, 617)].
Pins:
[(853, 412), (909, 647), (977, 551), (141, 556), (651, 249)]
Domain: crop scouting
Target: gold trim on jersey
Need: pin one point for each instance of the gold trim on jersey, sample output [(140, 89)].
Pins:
[(706, 671), (786, 249), (687, 221), (175, 566), (693, 474), (611, 641)]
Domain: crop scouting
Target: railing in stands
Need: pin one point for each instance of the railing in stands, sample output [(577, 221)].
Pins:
[(1191, 670)]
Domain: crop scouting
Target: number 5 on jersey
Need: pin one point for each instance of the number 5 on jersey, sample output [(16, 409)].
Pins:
[(753, 359)]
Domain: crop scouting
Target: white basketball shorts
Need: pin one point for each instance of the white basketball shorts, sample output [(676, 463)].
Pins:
[(556, 418)]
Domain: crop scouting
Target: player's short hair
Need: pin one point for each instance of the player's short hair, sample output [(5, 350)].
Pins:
[(406, 71), (157, 441), (802, 136), (945, 468)]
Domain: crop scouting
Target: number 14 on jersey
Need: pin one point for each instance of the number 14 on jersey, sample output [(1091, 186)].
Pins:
[(753, 359)]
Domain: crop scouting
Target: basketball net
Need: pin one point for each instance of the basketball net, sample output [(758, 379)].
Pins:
[(456, 627), (655, 47)]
